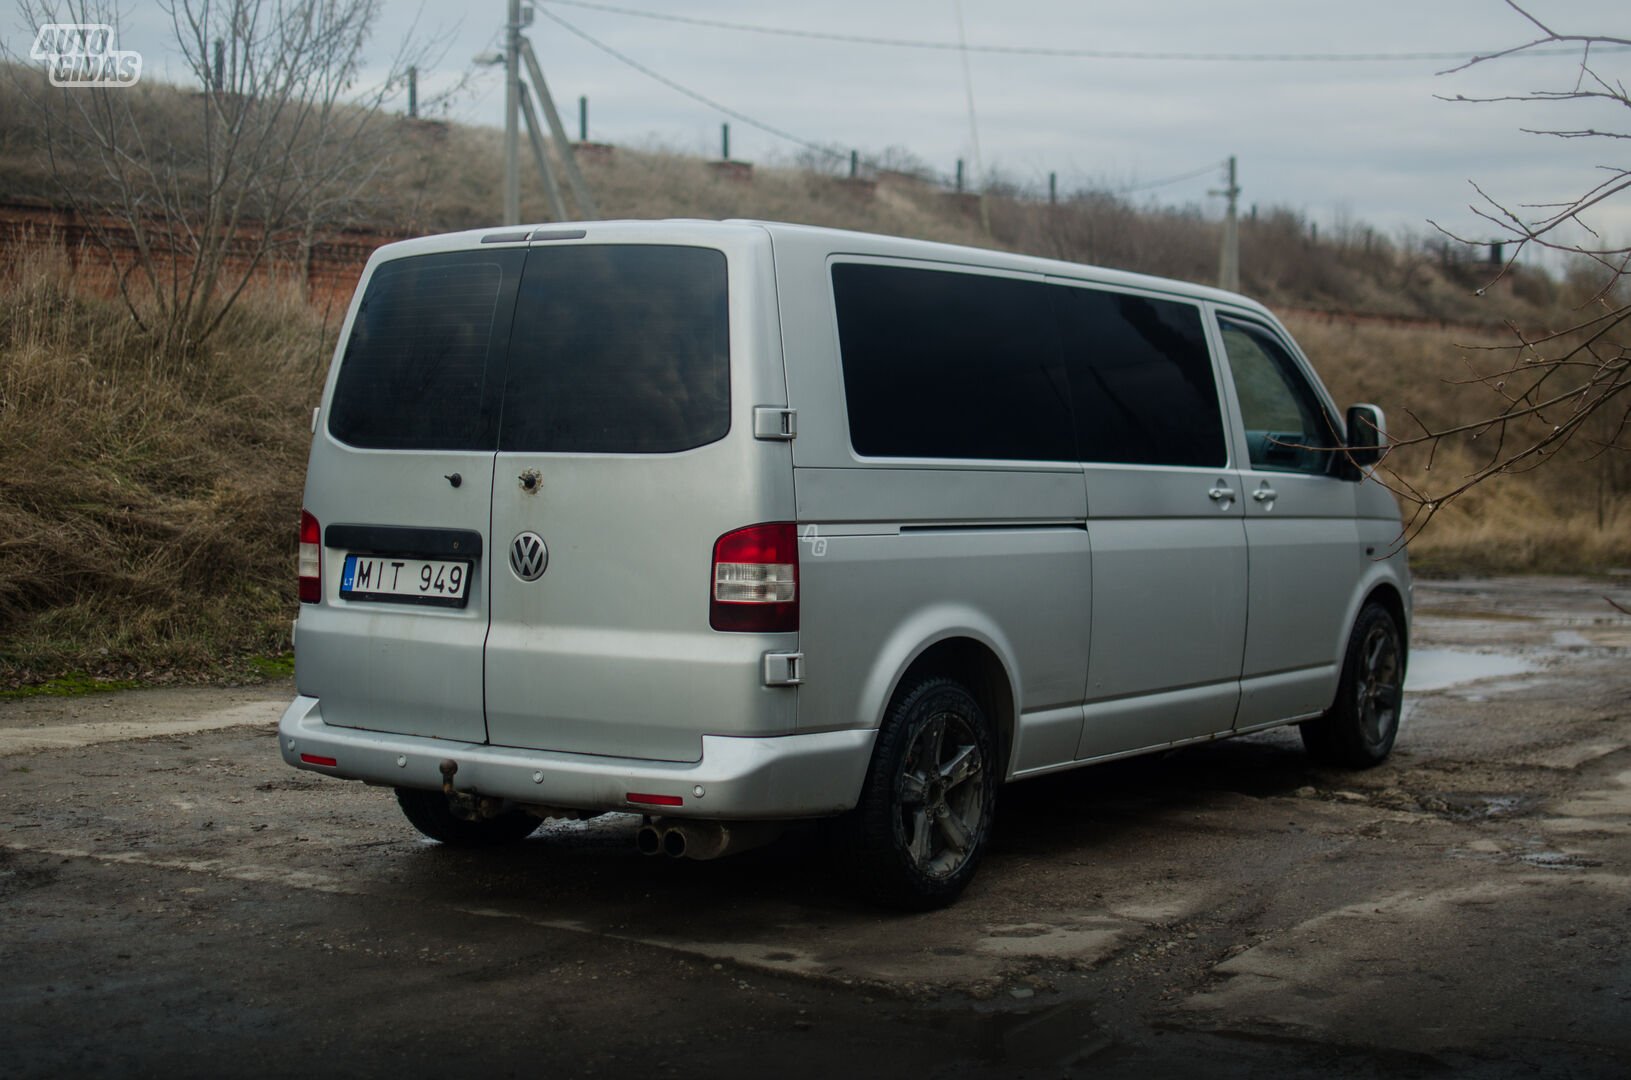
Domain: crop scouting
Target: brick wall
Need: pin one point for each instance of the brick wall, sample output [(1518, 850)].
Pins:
[(328, 274)]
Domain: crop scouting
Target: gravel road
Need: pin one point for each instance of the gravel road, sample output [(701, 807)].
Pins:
[(174, 900)]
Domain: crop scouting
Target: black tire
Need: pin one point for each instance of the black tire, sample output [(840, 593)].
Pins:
[(428, 811), (916, 837), (1358, 730)]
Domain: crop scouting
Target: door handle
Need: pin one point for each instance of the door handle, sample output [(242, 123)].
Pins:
[(1265, 494), (1220, 492)]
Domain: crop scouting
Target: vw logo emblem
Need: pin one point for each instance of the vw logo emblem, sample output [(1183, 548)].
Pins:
[(529, 558)]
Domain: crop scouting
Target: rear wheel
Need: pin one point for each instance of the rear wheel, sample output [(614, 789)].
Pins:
[(924, 817), (1359, 728), (429, 812)]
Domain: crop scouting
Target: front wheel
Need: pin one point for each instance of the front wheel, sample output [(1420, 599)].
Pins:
[(1359, 728), (429, 812), (924, 817)]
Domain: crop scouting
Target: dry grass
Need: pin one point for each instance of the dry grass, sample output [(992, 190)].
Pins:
[(1573, 516), (148, 504), (1512, 529)]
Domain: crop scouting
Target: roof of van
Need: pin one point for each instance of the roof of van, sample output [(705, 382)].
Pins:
[(844, 240), (933, 250)]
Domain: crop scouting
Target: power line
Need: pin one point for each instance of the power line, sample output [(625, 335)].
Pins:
[(694, 95), (1150, 185), (780, 133), (1042, 50)]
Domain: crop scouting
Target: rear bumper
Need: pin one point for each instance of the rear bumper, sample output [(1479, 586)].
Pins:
[(788, 776)]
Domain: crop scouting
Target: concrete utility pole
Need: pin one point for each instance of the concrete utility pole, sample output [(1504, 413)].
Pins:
[(973, 124), (512, 115), (1229, 259), (552, 190), (563, 147), (518, 106)]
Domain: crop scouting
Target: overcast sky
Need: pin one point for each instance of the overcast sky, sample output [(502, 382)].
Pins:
[(1339, 141)]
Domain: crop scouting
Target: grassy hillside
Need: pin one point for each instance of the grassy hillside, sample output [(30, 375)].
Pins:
[(148, 502), (446, 177), (436, 176), (147, 505)]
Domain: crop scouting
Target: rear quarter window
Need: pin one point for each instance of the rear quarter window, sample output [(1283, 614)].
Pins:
[(939, 364)]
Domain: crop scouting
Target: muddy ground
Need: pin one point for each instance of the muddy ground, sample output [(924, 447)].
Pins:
[(174, 900)]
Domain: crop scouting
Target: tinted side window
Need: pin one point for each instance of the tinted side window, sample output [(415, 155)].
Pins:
[(1140, 379), (1286, 428), (414, 372), (619, 349), (950, 365)]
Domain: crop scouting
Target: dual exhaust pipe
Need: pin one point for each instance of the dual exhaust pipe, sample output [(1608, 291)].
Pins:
[(680, 839)]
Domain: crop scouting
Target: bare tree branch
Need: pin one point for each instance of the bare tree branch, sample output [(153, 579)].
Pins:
[(285, 144), (1550, 386)]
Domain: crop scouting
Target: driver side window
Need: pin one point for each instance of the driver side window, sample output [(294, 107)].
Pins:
[(1286, 428)]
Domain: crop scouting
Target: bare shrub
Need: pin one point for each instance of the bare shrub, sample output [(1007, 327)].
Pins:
[(276, 143)]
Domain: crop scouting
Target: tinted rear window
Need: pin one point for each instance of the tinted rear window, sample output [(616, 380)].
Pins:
[(950, 365), (415, 372), (619, 349), (1141, 379)]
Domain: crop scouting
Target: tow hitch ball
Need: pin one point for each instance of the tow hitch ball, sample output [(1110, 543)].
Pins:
[(463, 804)]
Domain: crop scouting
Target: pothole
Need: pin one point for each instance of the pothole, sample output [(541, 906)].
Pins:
[(1558, 860), (1455, 805)]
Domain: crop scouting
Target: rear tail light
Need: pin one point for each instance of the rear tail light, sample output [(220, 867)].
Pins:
[(311, 559), (756, 579)]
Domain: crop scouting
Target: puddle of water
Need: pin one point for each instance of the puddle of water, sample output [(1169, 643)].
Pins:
[(1570, 639), (1438, 669), (1474, 614)]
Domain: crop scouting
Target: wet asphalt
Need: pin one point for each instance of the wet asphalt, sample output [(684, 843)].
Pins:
[(174, 900)]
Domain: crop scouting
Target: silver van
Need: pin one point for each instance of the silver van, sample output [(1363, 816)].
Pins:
[(731, 524)]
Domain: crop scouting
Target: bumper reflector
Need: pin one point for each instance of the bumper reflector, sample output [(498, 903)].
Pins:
[(318, 759)]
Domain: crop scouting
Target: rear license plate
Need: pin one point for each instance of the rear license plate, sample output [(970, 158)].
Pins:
[(438, 582)]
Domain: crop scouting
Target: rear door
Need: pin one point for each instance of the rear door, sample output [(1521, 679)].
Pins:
[(625, 451), (400, 481)]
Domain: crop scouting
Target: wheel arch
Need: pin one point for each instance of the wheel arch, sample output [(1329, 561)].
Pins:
[(1381, 590), (1388, 596), (975, 664)]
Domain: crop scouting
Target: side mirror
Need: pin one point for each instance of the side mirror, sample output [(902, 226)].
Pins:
[(1367, 435)]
